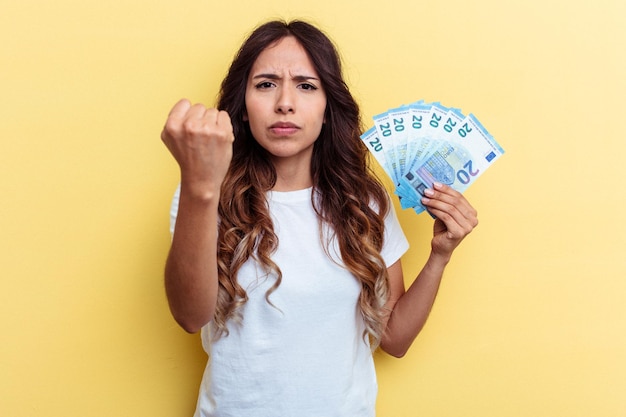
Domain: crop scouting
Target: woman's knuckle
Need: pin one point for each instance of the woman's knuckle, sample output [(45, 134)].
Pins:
[(191, 127), (170, 126)]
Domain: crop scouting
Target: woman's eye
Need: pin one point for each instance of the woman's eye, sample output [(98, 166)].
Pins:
[(307, 86), (264, 84)]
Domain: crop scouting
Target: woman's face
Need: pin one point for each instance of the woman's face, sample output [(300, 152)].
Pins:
[(285, 102)]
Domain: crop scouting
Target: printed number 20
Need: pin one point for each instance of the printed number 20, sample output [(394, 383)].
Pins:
[(465, 175), (376, 145)]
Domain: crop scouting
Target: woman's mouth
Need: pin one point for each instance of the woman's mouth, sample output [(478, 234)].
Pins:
[(284, 128)]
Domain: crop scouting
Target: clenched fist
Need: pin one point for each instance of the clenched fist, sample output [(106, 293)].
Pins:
[(201, 141)]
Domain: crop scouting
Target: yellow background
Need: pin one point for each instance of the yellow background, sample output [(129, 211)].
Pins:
[(531, 317)]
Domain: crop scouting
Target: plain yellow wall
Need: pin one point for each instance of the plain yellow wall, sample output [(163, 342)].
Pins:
[(531, 317)]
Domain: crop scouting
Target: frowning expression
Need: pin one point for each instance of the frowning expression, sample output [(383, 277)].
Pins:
[(285, 101)]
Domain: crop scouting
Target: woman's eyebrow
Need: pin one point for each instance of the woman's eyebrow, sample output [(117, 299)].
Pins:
[(272, 76)]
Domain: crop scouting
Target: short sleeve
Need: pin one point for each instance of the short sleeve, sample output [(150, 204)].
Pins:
[(174, 210), (395, 244)]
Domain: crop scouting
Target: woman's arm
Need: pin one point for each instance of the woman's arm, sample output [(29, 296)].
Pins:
[(200, 140), (455, 219)]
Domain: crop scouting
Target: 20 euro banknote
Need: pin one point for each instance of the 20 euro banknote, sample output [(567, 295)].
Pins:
[(422, 143)]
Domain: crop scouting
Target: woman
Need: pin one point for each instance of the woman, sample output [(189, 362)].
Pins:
[(286, 250)]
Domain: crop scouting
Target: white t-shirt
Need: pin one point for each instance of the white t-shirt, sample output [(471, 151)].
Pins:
[(305, 355)]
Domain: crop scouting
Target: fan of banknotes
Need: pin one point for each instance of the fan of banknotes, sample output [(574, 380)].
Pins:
[(422, 143)]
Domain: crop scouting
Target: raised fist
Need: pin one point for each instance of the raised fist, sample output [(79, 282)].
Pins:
[(201, 141)]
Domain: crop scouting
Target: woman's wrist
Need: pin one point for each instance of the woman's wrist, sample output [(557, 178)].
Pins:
[(437, 260)]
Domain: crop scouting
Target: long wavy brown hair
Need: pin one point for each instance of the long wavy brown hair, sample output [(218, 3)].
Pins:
[(349, 198)]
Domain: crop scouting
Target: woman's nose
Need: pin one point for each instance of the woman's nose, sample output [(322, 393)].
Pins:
[(285, 101)]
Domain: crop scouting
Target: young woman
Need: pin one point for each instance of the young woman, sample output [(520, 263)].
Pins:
[(286, 249)]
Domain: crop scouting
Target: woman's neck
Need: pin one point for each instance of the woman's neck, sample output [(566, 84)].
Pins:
[(292, 175)]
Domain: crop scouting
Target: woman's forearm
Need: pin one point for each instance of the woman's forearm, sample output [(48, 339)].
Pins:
[(412, 309), (191, 281)]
